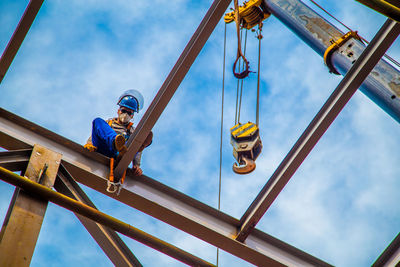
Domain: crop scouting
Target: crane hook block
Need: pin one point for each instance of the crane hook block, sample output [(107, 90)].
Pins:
[(251, 13), (247, 146)]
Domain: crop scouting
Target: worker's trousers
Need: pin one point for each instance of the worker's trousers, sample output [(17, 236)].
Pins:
[(103, 138)]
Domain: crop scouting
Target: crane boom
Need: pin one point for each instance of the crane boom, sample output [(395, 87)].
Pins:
[(382, 85)]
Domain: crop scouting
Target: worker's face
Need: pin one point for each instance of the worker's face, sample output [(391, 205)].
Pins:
[(125, 115)]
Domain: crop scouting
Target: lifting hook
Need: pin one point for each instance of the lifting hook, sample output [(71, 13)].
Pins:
[(248, 166)]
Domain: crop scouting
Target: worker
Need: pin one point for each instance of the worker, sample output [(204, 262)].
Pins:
[(109, 137)]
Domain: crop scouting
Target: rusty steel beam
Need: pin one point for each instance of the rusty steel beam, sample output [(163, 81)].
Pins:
[(318, 126), (154, 198), (44, 192), (18, 36), (24, 218), (172, 82), (108, 240)]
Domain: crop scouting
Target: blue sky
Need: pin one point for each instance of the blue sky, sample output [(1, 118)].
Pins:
[(79, 56)]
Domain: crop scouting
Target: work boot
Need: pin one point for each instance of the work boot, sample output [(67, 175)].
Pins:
[(119, 143)]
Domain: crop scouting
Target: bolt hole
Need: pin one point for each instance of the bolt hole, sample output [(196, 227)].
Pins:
[(350, 45), (393, 97), (353, 62), (350, 54)]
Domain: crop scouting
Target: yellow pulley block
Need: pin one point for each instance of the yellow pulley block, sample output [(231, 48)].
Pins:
[(247, 146), (252, 12)]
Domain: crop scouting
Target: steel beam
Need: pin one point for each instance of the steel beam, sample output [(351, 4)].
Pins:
[(109, 241), (25, 216), (172, 82), (321, 122), (18, 36), (41, 191), (155, 199), (15, 160), (391, 255)]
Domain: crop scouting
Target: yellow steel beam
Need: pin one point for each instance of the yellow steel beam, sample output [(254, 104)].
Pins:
[(100, 217)]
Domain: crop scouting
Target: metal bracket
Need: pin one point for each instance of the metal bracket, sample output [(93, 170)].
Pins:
[(335, 46)]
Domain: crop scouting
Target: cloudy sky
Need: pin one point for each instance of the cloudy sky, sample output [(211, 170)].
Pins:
[(79, 56)]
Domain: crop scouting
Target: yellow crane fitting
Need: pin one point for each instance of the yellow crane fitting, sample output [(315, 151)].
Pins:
[(247, 146), (251, 14), (335, 45)]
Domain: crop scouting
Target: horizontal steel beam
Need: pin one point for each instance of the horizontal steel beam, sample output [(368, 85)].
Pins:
[(43, 192), (18, 36), (155, 199), (108, 240), (15, 160), (318, 126), (171, 83), (391, 255)]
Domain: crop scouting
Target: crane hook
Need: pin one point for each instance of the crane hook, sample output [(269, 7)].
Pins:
[(248, 166)]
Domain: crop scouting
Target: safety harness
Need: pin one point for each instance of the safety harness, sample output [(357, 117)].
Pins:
[(112, 185)]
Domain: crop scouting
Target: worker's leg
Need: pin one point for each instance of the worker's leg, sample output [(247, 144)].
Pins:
[(103, 137)]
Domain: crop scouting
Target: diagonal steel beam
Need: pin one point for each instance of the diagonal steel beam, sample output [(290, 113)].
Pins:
[(18, 36), (109, 241), (321, 122), (391, 255), (156, 199), (172, 82)]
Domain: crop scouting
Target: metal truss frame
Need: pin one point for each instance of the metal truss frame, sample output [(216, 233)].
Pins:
[(150, 196), (238, 237)]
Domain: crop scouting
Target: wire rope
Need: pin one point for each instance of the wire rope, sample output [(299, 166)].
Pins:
[(237, 86), (242, 80), (222, 128), (259, 37)]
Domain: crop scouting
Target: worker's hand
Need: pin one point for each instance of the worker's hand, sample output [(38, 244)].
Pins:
[(90, 147), (137, 171)]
